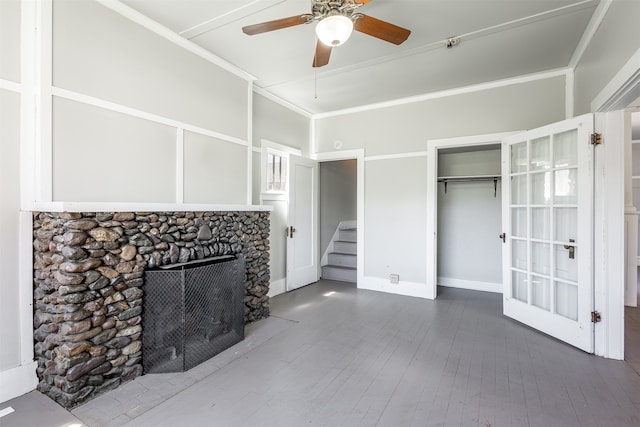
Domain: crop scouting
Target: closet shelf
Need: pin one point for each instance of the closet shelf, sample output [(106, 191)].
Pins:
[(472, 178), (468, 178)]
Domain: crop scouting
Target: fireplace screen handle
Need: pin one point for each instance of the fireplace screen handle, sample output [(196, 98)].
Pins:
[(291, 231)]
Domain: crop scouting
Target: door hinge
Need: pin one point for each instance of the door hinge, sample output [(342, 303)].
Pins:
[(596, 138), (596, 317)]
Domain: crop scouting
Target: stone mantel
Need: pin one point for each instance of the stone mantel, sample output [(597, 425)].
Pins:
[(142, 207)]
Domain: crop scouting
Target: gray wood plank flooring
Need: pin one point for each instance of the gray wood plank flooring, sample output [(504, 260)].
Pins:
[(332, 355)]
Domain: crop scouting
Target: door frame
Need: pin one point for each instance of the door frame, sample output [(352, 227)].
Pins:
[(433, 147), (358, 156), (609, 105)]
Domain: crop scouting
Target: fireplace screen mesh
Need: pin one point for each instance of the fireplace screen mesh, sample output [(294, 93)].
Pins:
[(192, 312)]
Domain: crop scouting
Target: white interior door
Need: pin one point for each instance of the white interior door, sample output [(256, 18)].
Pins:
[(548, 222), (302, 236)]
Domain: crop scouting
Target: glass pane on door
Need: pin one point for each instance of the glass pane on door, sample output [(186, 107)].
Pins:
[(565, 224), (519, 159), (549, 257), (564, 149), (541, 153), (566, 188), (566, 299)]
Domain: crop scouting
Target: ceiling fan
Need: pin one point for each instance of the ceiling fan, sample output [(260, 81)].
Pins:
[(336, 20)]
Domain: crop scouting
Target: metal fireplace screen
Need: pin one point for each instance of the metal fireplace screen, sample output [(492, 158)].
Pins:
[(192, 312)]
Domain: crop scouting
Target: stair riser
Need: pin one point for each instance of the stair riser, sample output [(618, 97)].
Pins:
[(348, 235), (341, 275), (343, 260), (345, 247)]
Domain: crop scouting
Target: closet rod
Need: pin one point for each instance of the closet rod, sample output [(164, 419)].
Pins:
[(495, 180)]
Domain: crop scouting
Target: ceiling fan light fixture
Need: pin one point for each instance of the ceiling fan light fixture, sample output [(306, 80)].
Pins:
[(334, 30)]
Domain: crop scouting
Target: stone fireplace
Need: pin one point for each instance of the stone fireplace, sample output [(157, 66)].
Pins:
[(89, 286)]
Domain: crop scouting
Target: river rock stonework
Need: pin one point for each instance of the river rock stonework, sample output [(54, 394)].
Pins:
[(89, 286)]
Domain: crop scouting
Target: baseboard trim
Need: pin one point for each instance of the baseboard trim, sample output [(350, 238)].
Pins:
[(17, 381), (277, 287), (470, 284), (410, 289)]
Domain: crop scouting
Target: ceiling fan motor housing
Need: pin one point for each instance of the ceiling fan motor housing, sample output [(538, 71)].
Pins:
[(324, 8)]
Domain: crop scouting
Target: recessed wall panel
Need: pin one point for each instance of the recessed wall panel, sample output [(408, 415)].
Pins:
[(215, 171), (9, 229), (10, 40), (98, 52), (104, 156)]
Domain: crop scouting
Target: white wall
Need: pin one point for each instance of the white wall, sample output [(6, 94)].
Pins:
[(469, 221), (615, 41), (160, 123), (338, 197), (17, 369), (395, 142), (276, 123), (104, 156), (278, 244), (10, 40), (395, 218), (134, 118), (100, 53), (9, 228), (214, 170), (406, 128)]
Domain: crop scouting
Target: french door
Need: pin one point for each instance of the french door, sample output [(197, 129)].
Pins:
[(548, 224), (302, 233)]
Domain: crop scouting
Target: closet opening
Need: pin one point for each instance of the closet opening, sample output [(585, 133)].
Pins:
[(469, 217)]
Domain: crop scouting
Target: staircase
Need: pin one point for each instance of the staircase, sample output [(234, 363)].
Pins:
[(342, 258)]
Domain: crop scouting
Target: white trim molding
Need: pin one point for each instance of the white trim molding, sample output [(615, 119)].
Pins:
[(433, 146), (10, 86), (179, 165), (396, 156), (561, 72), (277, 287), (589, 32), (143, 207), (622, 89), (173, 37), (470, 284), (134, 112), (17, 381), (410, 289), (275, 98)]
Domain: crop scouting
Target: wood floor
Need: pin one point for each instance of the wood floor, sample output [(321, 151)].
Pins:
[(332, 355)]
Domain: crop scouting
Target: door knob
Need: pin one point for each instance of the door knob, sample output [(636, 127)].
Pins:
[(291, 231), (503, 236), (572, 251)]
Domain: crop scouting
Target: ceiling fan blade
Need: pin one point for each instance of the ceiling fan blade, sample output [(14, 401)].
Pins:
[(381, 29), (321, 57), (278, 24)]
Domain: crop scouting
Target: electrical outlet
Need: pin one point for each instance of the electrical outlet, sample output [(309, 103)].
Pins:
[(394, 279)]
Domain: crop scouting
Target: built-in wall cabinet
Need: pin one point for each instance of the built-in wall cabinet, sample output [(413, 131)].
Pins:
[(469, 252)]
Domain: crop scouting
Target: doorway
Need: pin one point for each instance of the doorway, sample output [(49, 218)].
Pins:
[(470, 218), (338, 220), (463, 166), (631, 310)]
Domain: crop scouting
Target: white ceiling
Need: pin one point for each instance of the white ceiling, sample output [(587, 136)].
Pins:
[(498, 39)]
